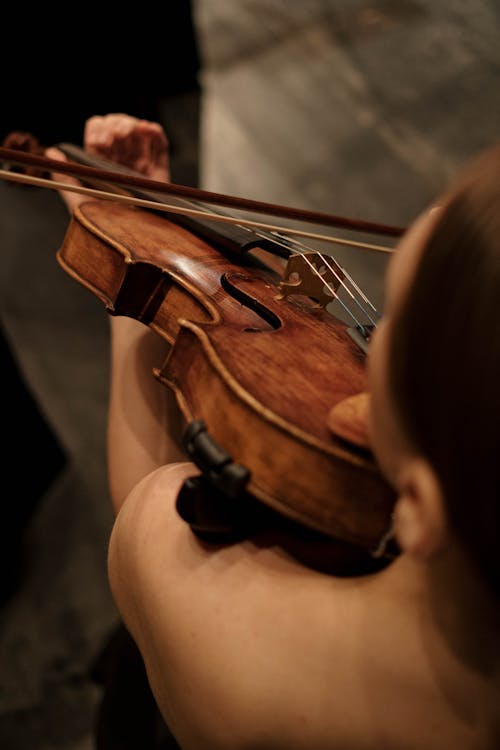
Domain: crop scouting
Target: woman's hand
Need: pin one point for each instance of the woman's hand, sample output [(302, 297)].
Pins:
[(126, 140), (137, 144)]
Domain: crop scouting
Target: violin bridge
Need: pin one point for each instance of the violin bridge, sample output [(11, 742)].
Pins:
[(313, 275)]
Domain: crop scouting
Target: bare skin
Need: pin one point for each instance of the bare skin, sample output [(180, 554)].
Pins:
[(247, 648)]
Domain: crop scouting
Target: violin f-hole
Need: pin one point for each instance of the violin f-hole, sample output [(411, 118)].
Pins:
[(268, 317)]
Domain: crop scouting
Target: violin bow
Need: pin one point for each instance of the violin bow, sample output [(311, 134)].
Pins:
[(112, 177)]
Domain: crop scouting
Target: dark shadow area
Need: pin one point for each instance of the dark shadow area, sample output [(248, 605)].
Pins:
[(28, 436), (54, 345)]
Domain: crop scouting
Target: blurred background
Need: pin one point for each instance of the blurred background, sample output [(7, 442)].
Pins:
[(362, 108)]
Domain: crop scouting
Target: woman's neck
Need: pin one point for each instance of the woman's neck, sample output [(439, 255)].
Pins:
[(458, 616), (456, 622), (465, 611)]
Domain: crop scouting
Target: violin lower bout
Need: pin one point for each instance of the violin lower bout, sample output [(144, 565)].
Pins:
[(322, 483)]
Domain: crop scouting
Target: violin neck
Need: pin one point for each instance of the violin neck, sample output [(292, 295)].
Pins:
[(228, 237)]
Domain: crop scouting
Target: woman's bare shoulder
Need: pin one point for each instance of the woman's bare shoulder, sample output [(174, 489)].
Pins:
[(153, 543), (225, 620), (151, 538)]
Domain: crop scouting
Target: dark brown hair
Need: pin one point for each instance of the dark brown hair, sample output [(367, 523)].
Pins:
[(445, 360)]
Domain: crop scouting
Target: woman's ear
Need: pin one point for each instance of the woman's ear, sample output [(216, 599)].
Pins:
[(420, 522)]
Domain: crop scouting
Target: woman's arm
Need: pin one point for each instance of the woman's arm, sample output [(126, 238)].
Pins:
[(143, 419)]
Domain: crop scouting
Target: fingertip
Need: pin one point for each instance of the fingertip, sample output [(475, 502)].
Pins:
[(55, 153), (91, 124)]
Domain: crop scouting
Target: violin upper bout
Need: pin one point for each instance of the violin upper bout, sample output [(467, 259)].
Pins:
[(349, 420)]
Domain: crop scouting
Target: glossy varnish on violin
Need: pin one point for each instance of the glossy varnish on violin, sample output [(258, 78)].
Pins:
[(262, 371)]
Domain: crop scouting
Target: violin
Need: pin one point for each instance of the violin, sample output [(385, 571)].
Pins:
[(256, 362)]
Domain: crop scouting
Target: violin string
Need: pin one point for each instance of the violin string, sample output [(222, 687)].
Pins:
[(104, 195), (344, 286), (292, 245), (335, 296), (289, 245), (364, 298)]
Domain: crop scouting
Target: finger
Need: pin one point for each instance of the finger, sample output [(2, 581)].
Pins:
[(133, 142), (89, 131), (160, 155), (154, 134), (95, 131), (107, 135), (72, 200), (101, 131), (154, 151)]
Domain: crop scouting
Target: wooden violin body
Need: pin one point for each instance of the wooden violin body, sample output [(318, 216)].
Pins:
[(261, 370)]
